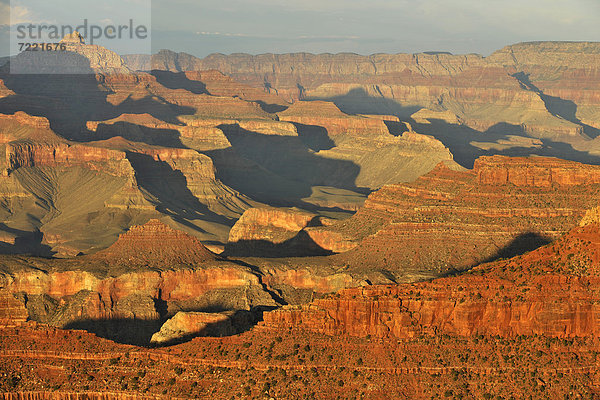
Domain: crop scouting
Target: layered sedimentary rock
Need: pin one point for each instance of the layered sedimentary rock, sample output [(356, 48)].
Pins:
[(155, 244), (161, 128), (329, 116), (43, 174), (339, 366), (551, 291), (283, 232), (151, 272), (537, 173), (566, 74), (383, 149), (271, 224), (484, 92), (219, 84), (274, 232), (455, 219), (12, 309)]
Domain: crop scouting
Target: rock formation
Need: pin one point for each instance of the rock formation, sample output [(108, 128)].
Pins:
[(155, 244), (548, 292), (186, 324), (150, 273), (76, 58), (451, 219), (538, 89)]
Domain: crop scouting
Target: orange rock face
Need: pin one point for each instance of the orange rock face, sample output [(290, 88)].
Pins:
[(455, 219), (272, 224), (4, 91), (150, 273), (12, 310), (185, 324), (275, 232), (535, 173), (550, 292)]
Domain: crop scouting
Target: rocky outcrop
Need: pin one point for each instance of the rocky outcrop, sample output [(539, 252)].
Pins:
[(150, 273), (275, 225), (12, 309), (366, 141), (284, 232), (592, 216), (273, 232), (302, 284), (329, 116), (155, 244), (452, 219), (4, 91), (38, 155), (76, 58), (187, 324), (29, 142), (100, 59), (390, 313), (538, 173), (218, 84), (522, 296)]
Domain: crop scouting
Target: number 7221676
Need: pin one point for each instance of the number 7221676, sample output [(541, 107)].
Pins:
[(42, 47)]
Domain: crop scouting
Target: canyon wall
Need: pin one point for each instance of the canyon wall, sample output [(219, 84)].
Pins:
[(450, 219), (550, 291), (527, 85)]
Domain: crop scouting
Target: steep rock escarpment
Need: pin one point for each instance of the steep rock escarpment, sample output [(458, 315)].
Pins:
[(566, 74), (551, 291), (77, 57), (51, 186), (450, 219), (218, 84), (270, 231), (185, 324)]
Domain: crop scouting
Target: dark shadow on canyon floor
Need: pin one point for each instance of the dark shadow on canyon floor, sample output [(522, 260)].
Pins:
[(121, 330), (25, 242), (565, 109), (280, 170), (169, 186), (300, 245), (139, 332), (461, 139), (358, 101), (524, 243), (178, 80)]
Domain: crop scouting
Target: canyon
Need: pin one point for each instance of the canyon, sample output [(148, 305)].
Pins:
[(507, 328), (411, 226), (546, 90)]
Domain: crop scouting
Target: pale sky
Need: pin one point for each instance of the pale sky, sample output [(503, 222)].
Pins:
[(201, 27)]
